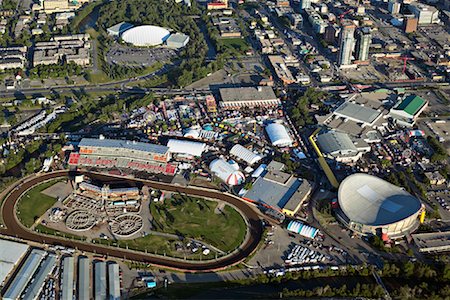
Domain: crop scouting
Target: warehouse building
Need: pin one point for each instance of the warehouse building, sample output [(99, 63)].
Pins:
[(10, 256), (84, 278), (114, 281), (45, 270), (369, 205), (279, 190), (261, 96), (363, 115), (187, 149), (177, 40), (118, 29), (244, 154), (338, 146), (100, 284), (227, 172), (67, 278), (109, 153), (24, 275), (406, 112), (278, 135)]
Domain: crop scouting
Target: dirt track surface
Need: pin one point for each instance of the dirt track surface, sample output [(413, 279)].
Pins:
[(14, 228)]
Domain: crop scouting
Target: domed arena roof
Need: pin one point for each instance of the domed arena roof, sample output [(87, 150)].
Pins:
[(146, 35), (372, 201)]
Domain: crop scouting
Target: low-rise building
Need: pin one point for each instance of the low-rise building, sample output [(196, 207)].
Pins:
[(433, 242), (232, 98), (119, 28), (177, 40), (406, 112), (360, 115), (435, 178), (74, 48), (340, 147), (279, 190), (282, 71), (13, 57)]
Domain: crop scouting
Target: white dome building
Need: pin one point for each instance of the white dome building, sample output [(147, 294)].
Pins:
[(226, 172), (370, 205), (146, 35)]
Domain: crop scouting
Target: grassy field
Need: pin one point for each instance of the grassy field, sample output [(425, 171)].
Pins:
[(34, 204), (195, 218), (237, 43), (46, 230), (154, 244)]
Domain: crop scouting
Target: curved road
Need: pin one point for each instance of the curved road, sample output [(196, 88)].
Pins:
[(14, 228)]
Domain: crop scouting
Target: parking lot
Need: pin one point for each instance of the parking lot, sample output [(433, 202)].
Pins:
[(282, 248), (441, 198), (119, 54)]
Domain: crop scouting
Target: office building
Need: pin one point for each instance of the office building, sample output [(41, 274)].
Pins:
[(425, 14), (346, 43), (394, 6), (305, 4), (364, 39), (410, 24)]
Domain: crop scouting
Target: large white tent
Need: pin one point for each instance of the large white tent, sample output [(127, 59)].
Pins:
[(226, 172), (278, 135), (244, 154), (186, 147)]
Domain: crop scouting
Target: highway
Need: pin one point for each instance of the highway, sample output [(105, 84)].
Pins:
[(16, 229)]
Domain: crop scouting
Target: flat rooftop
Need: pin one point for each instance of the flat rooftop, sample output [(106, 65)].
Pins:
[(432, 242), (247, 94), (357, 112), (273, 193), (411, 104), (10, 254), (132, 145)]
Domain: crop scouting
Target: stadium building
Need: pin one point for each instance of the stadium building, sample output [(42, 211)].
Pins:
[(108, 153), (146, 35), (369, 205)]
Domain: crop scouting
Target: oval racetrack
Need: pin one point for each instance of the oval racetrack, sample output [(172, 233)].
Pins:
[(14, 228)]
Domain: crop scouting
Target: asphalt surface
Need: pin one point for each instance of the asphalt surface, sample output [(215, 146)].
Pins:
[(16, 229)]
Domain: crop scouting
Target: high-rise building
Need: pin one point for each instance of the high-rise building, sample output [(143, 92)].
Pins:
[(364, 39), (425, 14), (410, 24), (394, 6), (331, 33), (346, 43), (305, 4)]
